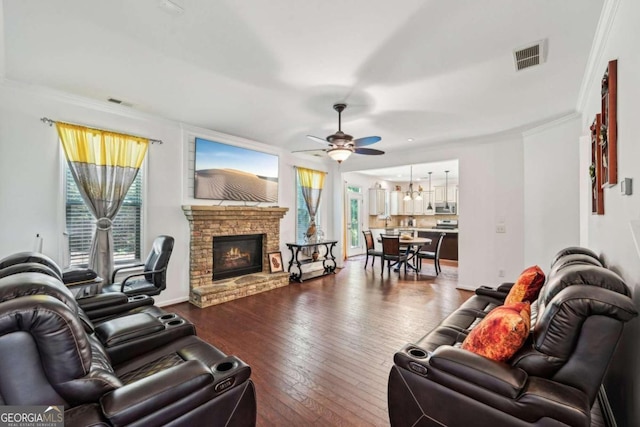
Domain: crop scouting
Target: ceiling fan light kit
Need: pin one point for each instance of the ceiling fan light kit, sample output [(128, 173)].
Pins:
[(342, 145), (339, 154)]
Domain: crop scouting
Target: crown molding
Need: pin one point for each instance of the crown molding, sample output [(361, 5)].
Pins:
[(552, 123), (605, 24), (84, 102)]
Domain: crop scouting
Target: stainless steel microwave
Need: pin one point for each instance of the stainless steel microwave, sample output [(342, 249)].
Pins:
[(441, 210)]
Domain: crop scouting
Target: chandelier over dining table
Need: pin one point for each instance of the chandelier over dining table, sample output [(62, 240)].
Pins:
[(411, 194)]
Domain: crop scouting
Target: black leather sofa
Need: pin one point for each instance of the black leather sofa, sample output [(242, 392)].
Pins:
[(140, 368), (553, 380)]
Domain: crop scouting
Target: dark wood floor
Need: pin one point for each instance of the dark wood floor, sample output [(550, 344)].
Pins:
[(320, 351)]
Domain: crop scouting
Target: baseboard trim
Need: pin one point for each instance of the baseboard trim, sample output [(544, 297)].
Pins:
[(172, 301), (607, 413)]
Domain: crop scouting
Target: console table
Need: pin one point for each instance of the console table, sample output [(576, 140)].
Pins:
[(298, 259)]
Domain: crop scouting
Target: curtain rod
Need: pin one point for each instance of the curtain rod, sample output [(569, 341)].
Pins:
[(51, 122)]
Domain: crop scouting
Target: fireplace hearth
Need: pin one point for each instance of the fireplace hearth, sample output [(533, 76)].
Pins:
[(236, 255), (208, 223)]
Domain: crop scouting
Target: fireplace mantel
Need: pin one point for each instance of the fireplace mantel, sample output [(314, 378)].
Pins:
[(193, 212), (205, 222)]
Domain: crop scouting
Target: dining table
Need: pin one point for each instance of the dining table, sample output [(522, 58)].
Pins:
[(413, 246)]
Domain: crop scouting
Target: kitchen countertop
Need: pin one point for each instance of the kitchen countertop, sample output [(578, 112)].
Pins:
[(455, 230)]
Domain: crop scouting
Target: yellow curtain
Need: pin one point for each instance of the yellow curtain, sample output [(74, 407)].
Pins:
[(99, 147), (104, 165), (345, 207), (310, 178), (311, 183)]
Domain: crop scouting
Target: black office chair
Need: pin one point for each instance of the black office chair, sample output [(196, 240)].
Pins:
[(391, 252), (371, 249), (154, 276), (435, 255)]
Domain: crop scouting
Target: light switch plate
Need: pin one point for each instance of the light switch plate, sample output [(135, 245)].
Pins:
[(625, 187)]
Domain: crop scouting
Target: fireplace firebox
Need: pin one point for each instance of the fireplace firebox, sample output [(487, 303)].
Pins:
[(236, 255)]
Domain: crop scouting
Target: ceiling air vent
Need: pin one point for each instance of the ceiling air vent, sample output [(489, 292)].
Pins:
[(529, 56), (120, 102)]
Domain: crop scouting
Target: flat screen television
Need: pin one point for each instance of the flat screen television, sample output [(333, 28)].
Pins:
[(227, 172)]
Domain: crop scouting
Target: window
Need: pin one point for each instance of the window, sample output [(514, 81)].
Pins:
[(127, 225), (302, 214)]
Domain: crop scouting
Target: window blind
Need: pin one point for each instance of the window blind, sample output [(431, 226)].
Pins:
[(127, 225), (302, 214)]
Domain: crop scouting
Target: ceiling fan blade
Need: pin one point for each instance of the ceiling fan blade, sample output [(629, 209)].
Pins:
[(317, 139), (369, 151), (367, 140)]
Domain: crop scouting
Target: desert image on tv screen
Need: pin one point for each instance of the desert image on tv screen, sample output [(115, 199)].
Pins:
[(226, 172)]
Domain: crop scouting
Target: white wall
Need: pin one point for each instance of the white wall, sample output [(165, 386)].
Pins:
[(610, 234), (552, 190), (490, 191), (31, 190)]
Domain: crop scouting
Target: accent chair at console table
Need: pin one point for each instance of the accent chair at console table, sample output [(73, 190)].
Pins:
[(321, 251)]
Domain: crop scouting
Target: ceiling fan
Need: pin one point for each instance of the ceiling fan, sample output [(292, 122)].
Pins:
[(341, 145)]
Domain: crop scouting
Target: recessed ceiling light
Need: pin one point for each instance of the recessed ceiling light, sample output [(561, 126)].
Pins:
[(410, 139)]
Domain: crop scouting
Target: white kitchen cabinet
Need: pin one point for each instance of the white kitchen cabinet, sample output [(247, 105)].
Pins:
[(377, 201), (396, 203), (413, 207), (451, 196)]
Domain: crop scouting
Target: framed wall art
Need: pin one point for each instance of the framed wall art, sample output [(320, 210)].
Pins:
[(275, 262), (609, 126)]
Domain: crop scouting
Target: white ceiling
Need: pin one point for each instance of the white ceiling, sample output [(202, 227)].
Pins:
[(271, 70), (417, 172)]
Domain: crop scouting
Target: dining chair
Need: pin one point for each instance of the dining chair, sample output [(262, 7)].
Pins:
[(391, 252), (434, 255), (371, 248)]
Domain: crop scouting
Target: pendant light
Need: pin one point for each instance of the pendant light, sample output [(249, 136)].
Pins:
[(446, 191), (429, 207), (409, 195)]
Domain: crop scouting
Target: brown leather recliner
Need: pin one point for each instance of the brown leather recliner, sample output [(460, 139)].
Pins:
[(553, 380)]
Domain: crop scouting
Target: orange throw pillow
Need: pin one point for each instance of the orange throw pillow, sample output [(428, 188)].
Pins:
[(501, 333), (527, 287)]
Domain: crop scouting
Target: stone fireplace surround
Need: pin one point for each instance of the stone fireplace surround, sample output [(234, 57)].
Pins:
[(205, 222)]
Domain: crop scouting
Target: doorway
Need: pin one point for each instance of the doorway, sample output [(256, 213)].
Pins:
[(354, 221)]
